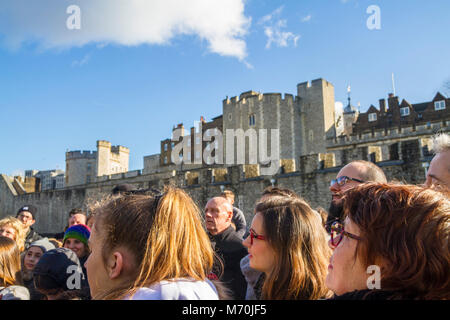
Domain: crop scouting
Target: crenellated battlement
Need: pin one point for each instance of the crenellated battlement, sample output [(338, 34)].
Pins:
[(270, 97), (309, 88), (119, 149), (85, 154), (389, 134)]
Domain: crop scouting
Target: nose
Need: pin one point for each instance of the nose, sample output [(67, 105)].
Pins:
[(428, 181), (330, 245), (246, 242), (334, 187)]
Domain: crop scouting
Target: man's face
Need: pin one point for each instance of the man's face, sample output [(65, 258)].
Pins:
[(351, 170), (26, 218), (77, 218), (218, 214), (439, 171)]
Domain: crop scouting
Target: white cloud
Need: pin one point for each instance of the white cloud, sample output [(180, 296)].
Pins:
[(269, 16), (221, 23), (79, 63), (273, 26), (307, 18)]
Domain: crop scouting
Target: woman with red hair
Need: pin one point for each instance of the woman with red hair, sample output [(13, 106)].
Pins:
[(393, 244)]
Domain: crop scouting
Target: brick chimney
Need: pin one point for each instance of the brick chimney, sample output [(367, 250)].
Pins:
[(392, 101), (382, 105)]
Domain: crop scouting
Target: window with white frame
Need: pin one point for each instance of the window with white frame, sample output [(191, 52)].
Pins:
[(439, 105), (372, 117), (404, 111), (188, 141)]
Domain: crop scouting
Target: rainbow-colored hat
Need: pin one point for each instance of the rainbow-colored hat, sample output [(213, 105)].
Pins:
[(78, 231)]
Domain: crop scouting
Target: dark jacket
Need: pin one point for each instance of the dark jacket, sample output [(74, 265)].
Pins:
[(58, 236), (239, 221), (31, 237), (228, 246), (368, 294), (34, 293)]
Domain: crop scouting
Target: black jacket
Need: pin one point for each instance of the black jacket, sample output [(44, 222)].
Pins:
[(239, 221), (228, 246), (31, 237), (34, 293), (368, 294)]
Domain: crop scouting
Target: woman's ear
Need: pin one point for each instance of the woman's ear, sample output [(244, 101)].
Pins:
[(114, 265)]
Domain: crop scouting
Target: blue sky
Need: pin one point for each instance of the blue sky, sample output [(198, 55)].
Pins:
[(133, 71)]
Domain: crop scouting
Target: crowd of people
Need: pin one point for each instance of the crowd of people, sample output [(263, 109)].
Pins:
[(378, 240)]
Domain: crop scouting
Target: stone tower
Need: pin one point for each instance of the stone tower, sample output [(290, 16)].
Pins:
[(111, 159), (84, 167), (304, 122), (80, 167), (316, 104), (253, 111)]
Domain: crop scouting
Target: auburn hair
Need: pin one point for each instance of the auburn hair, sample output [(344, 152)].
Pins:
[(9, 262), (164, 233), (296, 234), (18, 227), (405, 231)]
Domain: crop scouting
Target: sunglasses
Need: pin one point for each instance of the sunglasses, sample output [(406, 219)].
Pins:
[(254, 235), (343, 180), (338, 233)]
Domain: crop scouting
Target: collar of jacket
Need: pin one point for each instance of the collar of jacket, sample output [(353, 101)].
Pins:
[(223, 235)]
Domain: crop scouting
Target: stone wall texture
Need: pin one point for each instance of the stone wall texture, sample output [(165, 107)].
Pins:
[(311, 181)]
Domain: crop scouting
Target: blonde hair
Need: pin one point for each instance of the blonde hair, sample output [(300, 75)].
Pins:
[(18, 227), (296, 234), (170, 225), (228, 194), (9, 262), (56, 242)]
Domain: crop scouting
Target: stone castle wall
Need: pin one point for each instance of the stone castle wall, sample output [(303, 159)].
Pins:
[(311, 181)]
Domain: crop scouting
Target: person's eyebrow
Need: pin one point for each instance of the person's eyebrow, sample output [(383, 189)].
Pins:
[(434, 177)]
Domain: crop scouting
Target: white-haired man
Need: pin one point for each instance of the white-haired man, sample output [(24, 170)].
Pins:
[(438, 173)]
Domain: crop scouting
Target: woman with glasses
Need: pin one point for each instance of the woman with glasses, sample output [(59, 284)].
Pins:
[(393, 244), (287, 242)]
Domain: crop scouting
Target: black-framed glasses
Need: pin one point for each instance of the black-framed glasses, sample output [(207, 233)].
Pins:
[(254, 235), (338, 232), (343, 180)]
